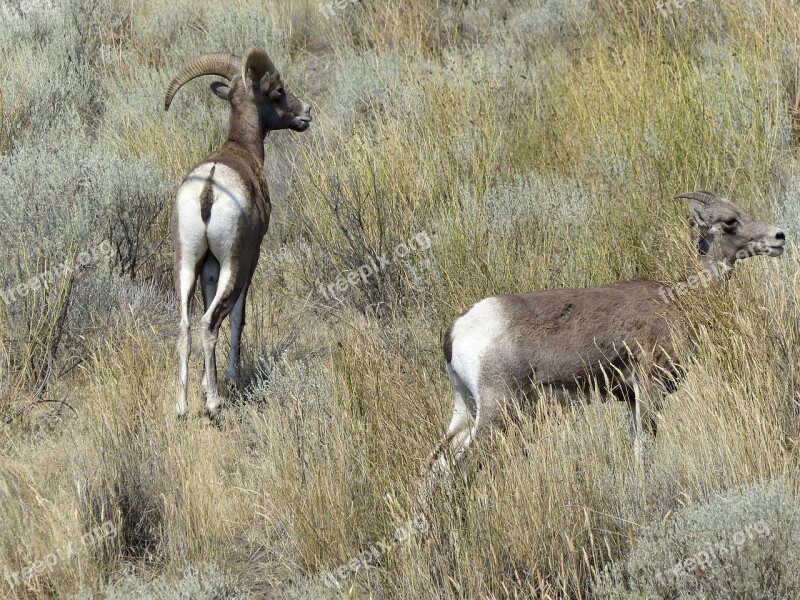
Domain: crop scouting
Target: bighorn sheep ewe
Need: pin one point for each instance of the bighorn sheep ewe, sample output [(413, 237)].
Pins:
[(616, 336), (222, 207)]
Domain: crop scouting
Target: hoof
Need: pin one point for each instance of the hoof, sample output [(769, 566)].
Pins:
[(212, 412), (211, 419), (233, 384)]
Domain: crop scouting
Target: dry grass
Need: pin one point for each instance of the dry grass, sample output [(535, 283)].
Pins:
[(537, 144)]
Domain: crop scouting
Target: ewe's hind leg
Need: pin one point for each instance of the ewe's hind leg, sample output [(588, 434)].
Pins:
[(456, 436), (485, 408), (485, 421), (464, 411)]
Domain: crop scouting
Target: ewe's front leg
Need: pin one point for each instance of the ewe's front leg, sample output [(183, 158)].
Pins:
[(643, 413)]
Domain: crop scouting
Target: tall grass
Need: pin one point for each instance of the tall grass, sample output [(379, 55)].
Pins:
[(535, 144)]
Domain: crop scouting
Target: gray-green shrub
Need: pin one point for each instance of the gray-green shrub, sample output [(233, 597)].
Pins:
[(741, 545)]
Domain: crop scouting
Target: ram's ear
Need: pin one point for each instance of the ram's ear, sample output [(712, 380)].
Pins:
[(221, 89)]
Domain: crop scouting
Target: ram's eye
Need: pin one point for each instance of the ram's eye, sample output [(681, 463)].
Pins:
[(731, 223)]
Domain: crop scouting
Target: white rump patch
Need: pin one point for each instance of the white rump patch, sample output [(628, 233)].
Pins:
[(474, 335), (230, 202)]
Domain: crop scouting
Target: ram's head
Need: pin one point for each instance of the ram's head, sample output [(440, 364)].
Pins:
[(254, 89)]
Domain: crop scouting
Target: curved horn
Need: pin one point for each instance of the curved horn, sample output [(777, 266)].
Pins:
[(255, 65), (703, 196), (221, 64)]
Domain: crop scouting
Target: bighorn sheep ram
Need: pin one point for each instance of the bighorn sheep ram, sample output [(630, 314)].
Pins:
[(616, 337), (222, 208)]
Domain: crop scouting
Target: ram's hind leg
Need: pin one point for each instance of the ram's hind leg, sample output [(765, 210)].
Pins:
[(229, 288), (237, 325), (184, 290), (185, 281), (209, 279)]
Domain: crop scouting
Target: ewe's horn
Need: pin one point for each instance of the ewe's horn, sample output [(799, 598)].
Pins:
[(703, 196), (255, 65), (221, 64)]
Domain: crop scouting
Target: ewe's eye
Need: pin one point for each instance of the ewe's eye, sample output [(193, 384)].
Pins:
[(731, 223)]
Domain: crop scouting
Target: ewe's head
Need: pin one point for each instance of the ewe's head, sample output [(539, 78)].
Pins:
[(255, 89), (727, 233)]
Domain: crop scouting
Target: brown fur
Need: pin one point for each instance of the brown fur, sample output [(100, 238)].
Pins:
[(207, 196), (257, 105), (617, 338), (568, 339), (447, 343)]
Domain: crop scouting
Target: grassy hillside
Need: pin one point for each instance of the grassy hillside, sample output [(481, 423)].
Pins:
[(471, 148)]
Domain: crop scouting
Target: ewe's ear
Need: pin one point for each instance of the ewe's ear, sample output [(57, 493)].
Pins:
[(221, 90), (699, 214)]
